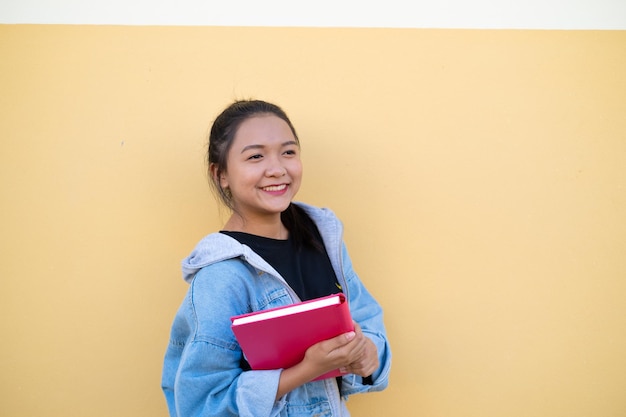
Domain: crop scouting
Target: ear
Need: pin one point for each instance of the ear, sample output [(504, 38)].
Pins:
[(218, 176)]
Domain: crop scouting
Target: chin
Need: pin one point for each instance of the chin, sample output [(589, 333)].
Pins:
[(281, 207)]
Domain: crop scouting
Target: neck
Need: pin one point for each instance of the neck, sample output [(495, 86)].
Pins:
[(272, 228)]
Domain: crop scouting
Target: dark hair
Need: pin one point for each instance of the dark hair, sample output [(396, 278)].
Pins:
[(221, 138)]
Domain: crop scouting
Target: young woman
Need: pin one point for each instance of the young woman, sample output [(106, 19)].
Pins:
[(271, 252)]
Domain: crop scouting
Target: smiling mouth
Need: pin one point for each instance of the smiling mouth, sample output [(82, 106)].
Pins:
[(280, 187)]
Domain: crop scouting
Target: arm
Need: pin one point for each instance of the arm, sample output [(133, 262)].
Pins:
[(364, 352), (369, 315), (201, 375)]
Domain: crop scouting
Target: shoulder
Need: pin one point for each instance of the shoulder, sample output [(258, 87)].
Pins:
[(212, 249), (221, 280), (320, 215)]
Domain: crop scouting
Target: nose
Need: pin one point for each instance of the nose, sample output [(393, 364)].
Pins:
[(275, 168)]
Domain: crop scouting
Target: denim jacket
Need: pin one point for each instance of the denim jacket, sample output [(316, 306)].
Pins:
[(202, 374)]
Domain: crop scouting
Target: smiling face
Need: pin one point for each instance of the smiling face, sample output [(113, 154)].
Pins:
[(264, 170)]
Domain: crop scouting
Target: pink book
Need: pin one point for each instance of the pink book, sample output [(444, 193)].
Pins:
[(279, 337)]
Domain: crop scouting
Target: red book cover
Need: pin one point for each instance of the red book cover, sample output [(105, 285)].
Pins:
[(278, 338)]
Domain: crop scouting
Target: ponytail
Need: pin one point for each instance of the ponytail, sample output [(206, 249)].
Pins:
[(301, 227)]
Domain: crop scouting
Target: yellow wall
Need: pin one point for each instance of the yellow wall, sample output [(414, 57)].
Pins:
[(481, 176)]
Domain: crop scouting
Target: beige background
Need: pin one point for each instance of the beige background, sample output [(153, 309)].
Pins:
[(481, 176)]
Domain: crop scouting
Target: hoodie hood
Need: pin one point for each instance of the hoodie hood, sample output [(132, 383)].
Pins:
[(218, 247)]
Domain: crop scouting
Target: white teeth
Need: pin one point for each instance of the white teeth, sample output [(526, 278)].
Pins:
[(275, 187)]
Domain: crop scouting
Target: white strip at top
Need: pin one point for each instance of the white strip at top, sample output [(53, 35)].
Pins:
[(444, 14)]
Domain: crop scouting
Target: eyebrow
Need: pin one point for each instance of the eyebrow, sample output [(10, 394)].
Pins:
[(249, 147)]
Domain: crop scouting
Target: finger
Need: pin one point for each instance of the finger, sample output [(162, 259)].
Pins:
[(338, 341)]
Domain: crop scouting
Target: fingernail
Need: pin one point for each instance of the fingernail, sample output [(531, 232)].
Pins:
[(350, 335)]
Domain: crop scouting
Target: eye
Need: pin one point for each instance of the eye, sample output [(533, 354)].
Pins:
[(290, 152), (255, 156)]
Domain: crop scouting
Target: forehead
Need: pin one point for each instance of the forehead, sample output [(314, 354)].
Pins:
[(261, 130)]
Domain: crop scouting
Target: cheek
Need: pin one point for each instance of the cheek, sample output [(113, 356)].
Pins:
[(242, 178), (296, 169)]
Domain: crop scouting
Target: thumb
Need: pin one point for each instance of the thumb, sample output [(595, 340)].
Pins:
[(339, 341), (350, 335)]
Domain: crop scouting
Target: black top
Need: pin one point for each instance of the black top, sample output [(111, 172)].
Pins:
[(306, 269)]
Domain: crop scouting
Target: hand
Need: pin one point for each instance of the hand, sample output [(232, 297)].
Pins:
[(367, 362), (333, 353), (320, 358), (352, 352)]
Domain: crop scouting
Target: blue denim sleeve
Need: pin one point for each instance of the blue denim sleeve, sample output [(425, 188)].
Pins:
[(368, 314), (203, 389), (201, 375)]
